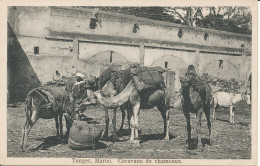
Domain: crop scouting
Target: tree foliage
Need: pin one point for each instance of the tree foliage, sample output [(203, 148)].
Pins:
[(233, 19)]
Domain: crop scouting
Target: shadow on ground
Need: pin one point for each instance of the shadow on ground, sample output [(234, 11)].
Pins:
[(148, 137), (48, 142)]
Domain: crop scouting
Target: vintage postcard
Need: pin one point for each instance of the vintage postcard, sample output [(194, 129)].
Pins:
[(128, 82)]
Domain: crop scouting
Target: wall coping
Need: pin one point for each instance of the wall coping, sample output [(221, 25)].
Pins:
[(54, 35), (156, 22)]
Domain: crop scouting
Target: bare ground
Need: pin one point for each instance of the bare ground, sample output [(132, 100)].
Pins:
[(230, 141)]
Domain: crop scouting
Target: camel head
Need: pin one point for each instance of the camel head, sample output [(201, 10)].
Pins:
[(105, 101), (97, 95), (115, 101)]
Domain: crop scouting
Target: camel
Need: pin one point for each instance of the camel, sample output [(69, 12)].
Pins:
[(196, 102), (108, 90), (135, 101), (46, 103)]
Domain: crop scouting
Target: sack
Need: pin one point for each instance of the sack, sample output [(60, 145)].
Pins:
[(52, 98), (155, 97), (106, 75), (83, 135), (147, 77)]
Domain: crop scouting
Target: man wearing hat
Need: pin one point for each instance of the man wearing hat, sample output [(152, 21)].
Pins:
[(78, 94)]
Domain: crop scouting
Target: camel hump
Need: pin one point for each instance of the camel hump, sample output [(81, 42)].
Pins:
[(147, 77), (106, 74)]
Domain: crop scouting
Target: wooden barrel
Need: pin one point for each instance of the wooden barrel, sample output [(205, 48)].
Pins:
[(83, 135)]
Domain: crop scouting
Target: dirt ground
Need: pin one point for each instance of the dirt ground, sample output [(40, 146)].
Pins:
[(230, 141)]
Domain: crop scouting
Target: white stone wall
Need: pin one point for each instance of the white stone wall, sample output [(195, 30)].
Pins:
[(33, 24)]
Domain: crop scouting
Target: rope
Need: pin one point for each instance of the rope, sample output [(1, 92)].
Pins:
[(43, 96)]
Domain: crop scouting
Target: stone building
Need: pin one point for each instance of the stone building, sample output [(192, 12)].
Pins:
[(67, 40)]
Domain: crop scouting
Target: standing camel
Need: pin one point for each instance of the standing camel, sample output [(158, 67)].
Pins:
[(136, 100), (196, 102), (112, 85)]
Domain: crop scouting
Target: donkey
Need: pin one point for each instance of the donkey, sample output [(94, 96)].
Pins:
[(230, 100), (46, 103), (196, 102)]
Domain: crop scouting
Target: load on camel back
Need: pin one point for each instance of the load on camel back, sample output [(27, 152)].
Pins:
[(141, 88), (148, 83), (144, 79)]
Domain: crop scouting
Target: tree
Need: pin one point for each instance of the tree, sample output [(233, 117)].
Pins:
[(155, 13), (233, 19), (188, 15)]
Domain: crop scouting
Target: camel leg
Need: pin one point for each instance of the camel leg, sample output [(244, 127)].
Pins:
[(134, 121), (132, 137), (129, 114), (207, 113), (61, 126), (57, 125), (105, 136), (167, 125), (187, 117), (136, 109), (230, 114), (27, 128), (135, 101), (198, 129), (131, 118), (114, 123), (165, 116), (122, 108)]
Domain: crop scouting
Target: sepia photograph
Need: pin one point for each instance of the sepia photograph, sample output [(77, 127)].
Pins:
[(105, 84)]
